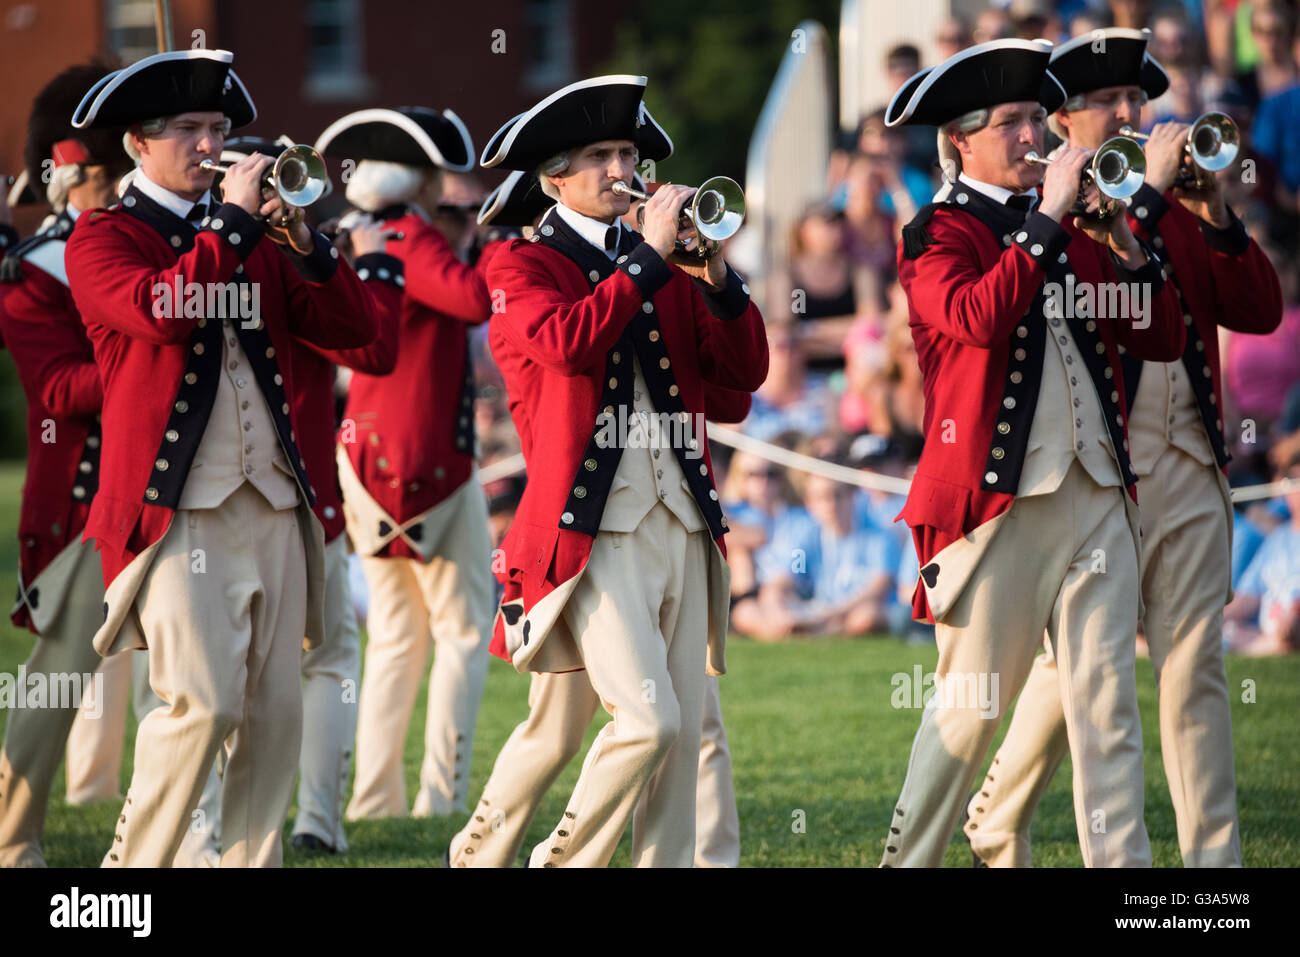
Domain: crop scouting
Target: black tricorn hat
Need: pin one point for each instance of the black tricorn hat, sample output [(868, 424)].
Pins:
[(516, 202), (982, 76), (166, 84), (1103, 58), (600, 108), (410, 135), (50, 126)]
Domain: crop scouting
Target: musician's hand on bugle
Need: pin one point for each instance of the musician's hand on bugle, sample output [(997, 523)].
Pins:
[(1112, 232), (1166, 154), (1061, 184), (663, 212), (284, 223), (241, 183)]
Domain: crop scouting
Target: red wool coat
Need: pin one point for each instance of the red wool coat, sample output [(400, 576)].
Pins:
[(974, 293), (569, 322), (115, 258), (410, 434), (1221, 278), (313, 408), (56, 367)]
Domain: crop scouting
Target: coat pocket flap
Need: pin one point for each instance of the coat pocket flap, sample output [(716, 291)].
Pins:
[(938, 504)]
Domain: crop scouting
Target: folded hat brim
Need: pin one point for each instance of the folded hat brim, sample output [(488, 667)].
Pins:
[(412, 136), (979, 77), (168, 84), (1108, 58), (588, 111)]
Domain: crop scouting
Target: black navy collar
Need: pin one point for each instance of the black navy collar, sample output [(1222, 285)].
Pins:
[(166, 223)]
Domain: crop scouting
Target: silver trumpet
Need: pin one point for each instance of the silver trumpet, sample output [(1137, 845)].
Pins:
[(298, 175), (1118, 168), (1212, 143), (716, 211)]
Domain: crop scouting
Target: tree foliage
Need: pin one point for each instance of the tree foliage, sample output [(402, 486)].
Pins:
[(710, 66)]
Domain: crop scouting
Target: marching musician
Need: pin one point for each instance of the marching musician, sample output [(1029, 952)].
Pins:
[(212, 557), (1222, 279), (415, 510), (60, 585), (614, 562), (1023, 507), (561, 705)]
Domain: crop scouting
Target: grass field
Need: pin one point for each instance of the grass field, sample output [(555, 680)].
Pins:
[(812, 729)]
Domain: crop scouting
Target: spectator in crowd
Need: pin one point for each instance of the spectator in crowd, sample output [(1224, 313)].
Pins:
[(892, 146), (992, 23), (755, 496), (1273, 34), (1085, 21), (823, 284), (953, 36), (1032, 19), (1134, 14), (789, 399), (872, 232), (1264, 617), (1261, 370), (883, 392), (824, 570)]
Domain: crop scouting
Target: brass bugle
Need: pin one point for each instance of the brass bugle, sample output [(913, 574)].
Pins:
[(298, 175), (1213, 143), (1117, 168), (716, 210)]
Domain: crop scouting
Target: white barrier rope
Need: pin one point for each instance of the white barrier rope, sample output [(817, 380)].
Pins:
[(806, 463), (840, 473), (1249, 493)]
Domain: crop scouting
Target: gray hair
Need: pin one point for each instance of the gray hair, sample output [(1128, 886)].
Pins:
[(949, 155), (554, 166)]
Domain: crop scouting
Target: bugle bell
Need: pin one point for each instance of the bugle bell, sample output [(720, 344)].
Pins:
[(1212, 143), (298, 175), (1117, 168), (715, 211)]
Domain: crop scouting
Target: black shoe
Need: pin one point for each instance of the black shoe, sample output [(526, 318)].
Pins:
[(311, 844), (975, 859)]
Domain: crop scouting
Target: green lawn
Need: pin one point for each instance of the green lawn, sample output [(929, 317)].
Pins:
[(812, 730)]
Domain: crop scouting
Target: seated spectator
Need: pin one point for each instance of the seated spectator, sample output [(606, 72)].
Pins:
[(755, 496), (883, 390), (1246, 539), (789, 399), (823, 286), (1264, 617), (823, 572), (872, 232)]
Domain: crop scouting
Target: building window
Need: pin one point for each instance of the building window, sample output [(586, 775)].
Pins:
[(132, 34), (335, 67), (550, 43)]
